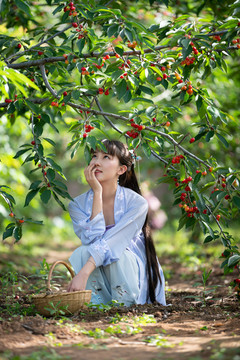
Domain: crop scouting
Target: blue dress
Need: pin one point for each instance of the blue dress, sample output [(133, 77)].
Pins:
[(118, 250)]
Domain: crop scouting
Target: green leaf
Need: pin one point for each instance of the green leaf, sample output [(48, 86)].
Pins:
[(50, 141), (119, 50), (20, 152), (121, 89), (8, 232), (45, 196), (146, 149), (197, 178), (208, 239), (50, 174), (22, 5), (233, 260), (112, 30), (236, 201), (223, 140), (146, 89), (87, 154), (54, 165), (32, 107), (59, 201), (91, 140), (210, 230), (76, 95), (128, 34), (80, 45), (30, 196), (35, 185), (17, 233)]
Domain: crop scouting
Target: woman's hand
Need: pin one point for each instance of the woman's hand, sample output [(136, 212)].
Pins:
[(79, 282), (89, 173)]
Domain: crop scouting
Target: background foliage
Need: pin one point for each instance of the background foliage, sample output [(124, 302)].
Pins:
[(162, 76)]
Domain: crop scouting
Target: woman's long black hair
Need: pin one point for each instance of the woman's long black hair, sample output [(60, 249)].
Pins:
[(129, 180)]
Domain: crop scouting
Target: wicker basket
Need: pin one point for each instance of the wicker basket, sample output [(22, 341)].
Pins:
[(69, 302)]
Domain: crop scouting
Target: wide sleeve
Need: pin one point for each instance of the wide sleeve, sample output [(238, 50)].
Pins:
[(110, 247), (87, 230)]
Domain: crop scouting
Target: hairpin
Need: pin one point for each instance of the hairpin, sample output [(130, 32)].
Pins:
[(134, 157)]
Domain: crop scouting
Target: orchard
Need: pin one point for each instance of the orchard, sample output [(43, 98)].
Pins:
[(162, 76)]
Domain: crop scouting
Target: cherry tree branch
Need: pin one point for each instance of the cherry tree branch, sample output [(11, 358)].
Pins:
[(38, 62), (106, 117)]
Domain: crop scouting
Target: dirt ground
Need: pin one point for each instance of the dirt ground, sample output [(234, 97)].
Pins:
[(188, 328)]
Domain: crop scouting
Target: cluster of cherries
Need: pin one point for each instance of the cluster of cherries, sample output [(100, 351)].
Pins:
[(236, 41), (101, 91), (177, 159), (224, 185), (132, 45), (71, 8), (188, 61), (134, 134), (190, 210), (88, 129)]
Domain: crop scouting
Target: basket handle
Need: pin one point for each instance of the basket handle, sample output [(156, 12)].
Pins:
[(52, 268)]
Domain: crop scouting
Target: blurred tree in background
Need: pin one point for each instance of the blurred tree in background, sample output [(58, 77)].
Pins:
[(161, 75)]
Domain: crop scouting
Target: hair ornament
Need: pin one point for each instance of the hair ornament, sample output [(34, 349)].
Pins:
[(134, 156)]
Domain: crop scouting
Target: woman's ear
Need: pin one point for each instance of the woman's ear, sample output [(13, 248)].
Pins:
[(122, 169)]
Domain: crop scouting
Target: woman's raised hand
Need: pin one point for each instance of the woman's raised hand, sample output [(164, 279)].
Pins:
[(89, 173)]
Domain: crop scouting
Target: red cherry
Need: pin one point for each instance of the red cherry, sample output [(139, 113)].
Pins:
[(107, 92), (180, 81), (33, 142), (227, 197), (205, 211), (11, 214), (163, 68), (48, 185), (19, 46), (159, 78), (154, 119), (165, 76), (198, 171), (74, 24), (204, 173), (21, 221), (192, 140), (218, 217), (64, 93), (84, 135), (40, 52), (8, 101)]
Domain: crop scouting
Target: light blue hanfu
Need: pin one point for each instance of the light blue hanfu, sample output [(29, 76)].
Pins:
[(118, 250)]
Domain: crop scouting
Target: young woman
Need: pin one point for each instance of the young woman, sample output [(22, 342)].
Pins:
[(117, 259)]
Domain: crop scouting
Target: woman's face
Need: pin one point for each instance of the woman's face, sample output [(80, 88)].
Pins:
[(107, 167)]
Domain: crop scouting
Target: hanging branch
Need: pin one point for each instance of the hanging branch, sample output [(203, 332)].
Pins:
[(107, 118), (120, 117), (54, 59)]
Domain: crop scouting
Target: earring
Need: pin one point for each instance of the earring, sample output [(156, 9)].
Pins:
[(118, 181)]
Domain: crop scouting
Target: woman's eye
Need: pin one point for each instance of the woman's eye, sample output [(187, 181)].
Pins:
[(106, 156), (93, 156)]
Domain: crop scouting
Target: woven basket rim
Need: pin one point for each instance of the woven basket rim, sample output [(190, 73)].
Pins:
[(59, 294)]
